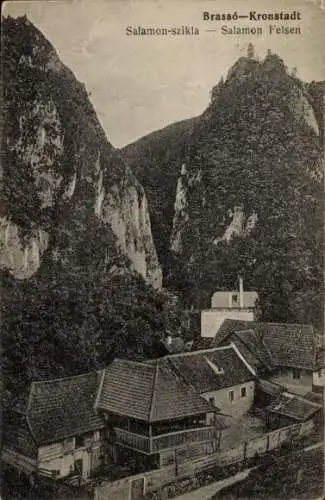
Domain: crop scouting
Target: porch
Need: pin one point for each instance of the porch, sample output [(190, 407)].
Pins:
[(154, 444)]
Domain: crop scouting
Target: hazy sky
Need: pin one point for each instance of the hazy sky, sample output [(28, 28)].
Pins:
[(140, 84)]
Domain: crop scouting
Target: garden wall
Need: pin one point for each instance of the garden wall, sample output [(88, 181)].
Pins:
[(133, 487)]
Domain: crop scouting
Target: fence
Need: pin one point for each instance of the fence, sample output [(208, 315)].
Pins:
[(133, 487)]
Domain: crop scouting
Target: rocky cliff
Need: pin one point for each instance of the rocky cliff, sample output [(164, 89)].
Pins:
[(58, 161), (79, 270), (247, 197)]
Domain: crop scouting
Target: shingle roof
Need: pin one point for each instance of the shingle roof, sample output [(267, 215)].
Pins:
[(57, 409), (275, 344), (17, 435), (293, 406), (270, 388), (201, 343), (213, 369), (148, 391)]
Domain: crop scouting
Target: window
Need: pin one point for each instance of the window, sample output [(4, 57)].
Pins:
[(80, 441), (234, 299), (296, 374), (68, 444), (243, 392), (231, 396)]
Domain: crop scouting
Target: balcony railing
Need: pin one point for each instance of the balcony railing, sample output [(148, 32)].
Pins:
[(174, 439), (134, 441), (155, 444)]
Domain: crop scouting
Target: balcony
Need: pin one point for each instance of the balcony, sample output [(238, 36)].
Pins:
[(171, 440)]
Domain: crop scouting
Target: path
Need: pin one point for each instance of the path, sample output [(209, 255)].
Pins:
[(206, 492)]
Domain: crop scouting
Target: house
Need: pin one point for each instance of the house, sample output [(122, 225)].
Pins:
[(220, 375), (53, 428), (282, 408), (238, 305), (287, 354), (154, 418), (135, 412), (288, 409), (319, 374)]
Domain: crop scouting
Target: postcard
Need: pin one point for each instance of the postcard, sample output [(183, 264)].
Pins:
[(162, 249)]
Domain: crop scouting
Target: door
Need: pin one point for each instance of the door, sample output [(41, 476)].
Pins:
[(78, 467), (96, 459), (137, 488)]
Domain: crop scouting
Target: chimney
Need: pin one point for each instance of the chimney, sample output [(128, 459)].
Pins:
[(241, 292), (169, 340)]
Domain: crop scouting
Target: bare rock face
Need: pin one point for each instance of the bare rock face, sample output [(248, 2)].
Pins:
[(125, 209), (180, 212), (240, 225), (59, 165), (21, 256)]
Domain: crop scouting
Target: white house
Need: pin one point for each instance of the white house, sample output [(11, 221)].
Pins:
[(235, 304)]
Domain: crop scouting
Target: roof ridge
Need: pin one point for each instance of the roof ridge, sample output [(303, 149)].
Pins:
[(70, 377), (199, 351), (247, 346), (301, 398), (267, 322), (268, 351), (131, 362), (30, 396), (30, 428), (239, 354), (100, 387), (153, 391), (282, 324)]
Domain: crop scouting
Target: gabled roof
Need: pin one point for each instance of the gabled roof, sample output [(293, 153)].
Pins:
[(213, 369), (148, 391), (16, 434), (275, 344), (293, 406), (61, 408)]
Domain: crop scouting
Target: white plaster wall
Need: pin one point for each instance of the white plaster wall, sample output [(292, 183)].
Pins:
[(301, 386), (239, 406), (211, 319), (53, 457), (319, 378)]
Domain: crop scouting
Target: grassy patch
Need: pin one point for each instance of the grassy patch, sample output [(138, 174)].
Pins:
[(298, 476)]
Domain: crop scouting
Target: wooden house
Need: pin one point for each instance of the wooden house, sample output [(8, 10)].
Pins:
[(54, 430), (154, 418)]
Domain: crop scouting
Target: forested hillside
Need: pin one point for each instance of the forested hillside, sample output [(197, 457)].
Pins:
[(248, 198), (80, 274)]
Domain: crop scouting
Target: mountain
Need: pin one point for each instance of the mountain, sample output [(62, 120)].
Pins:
[(244, 192), (80, 276), (59, 166), (156, 161)]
